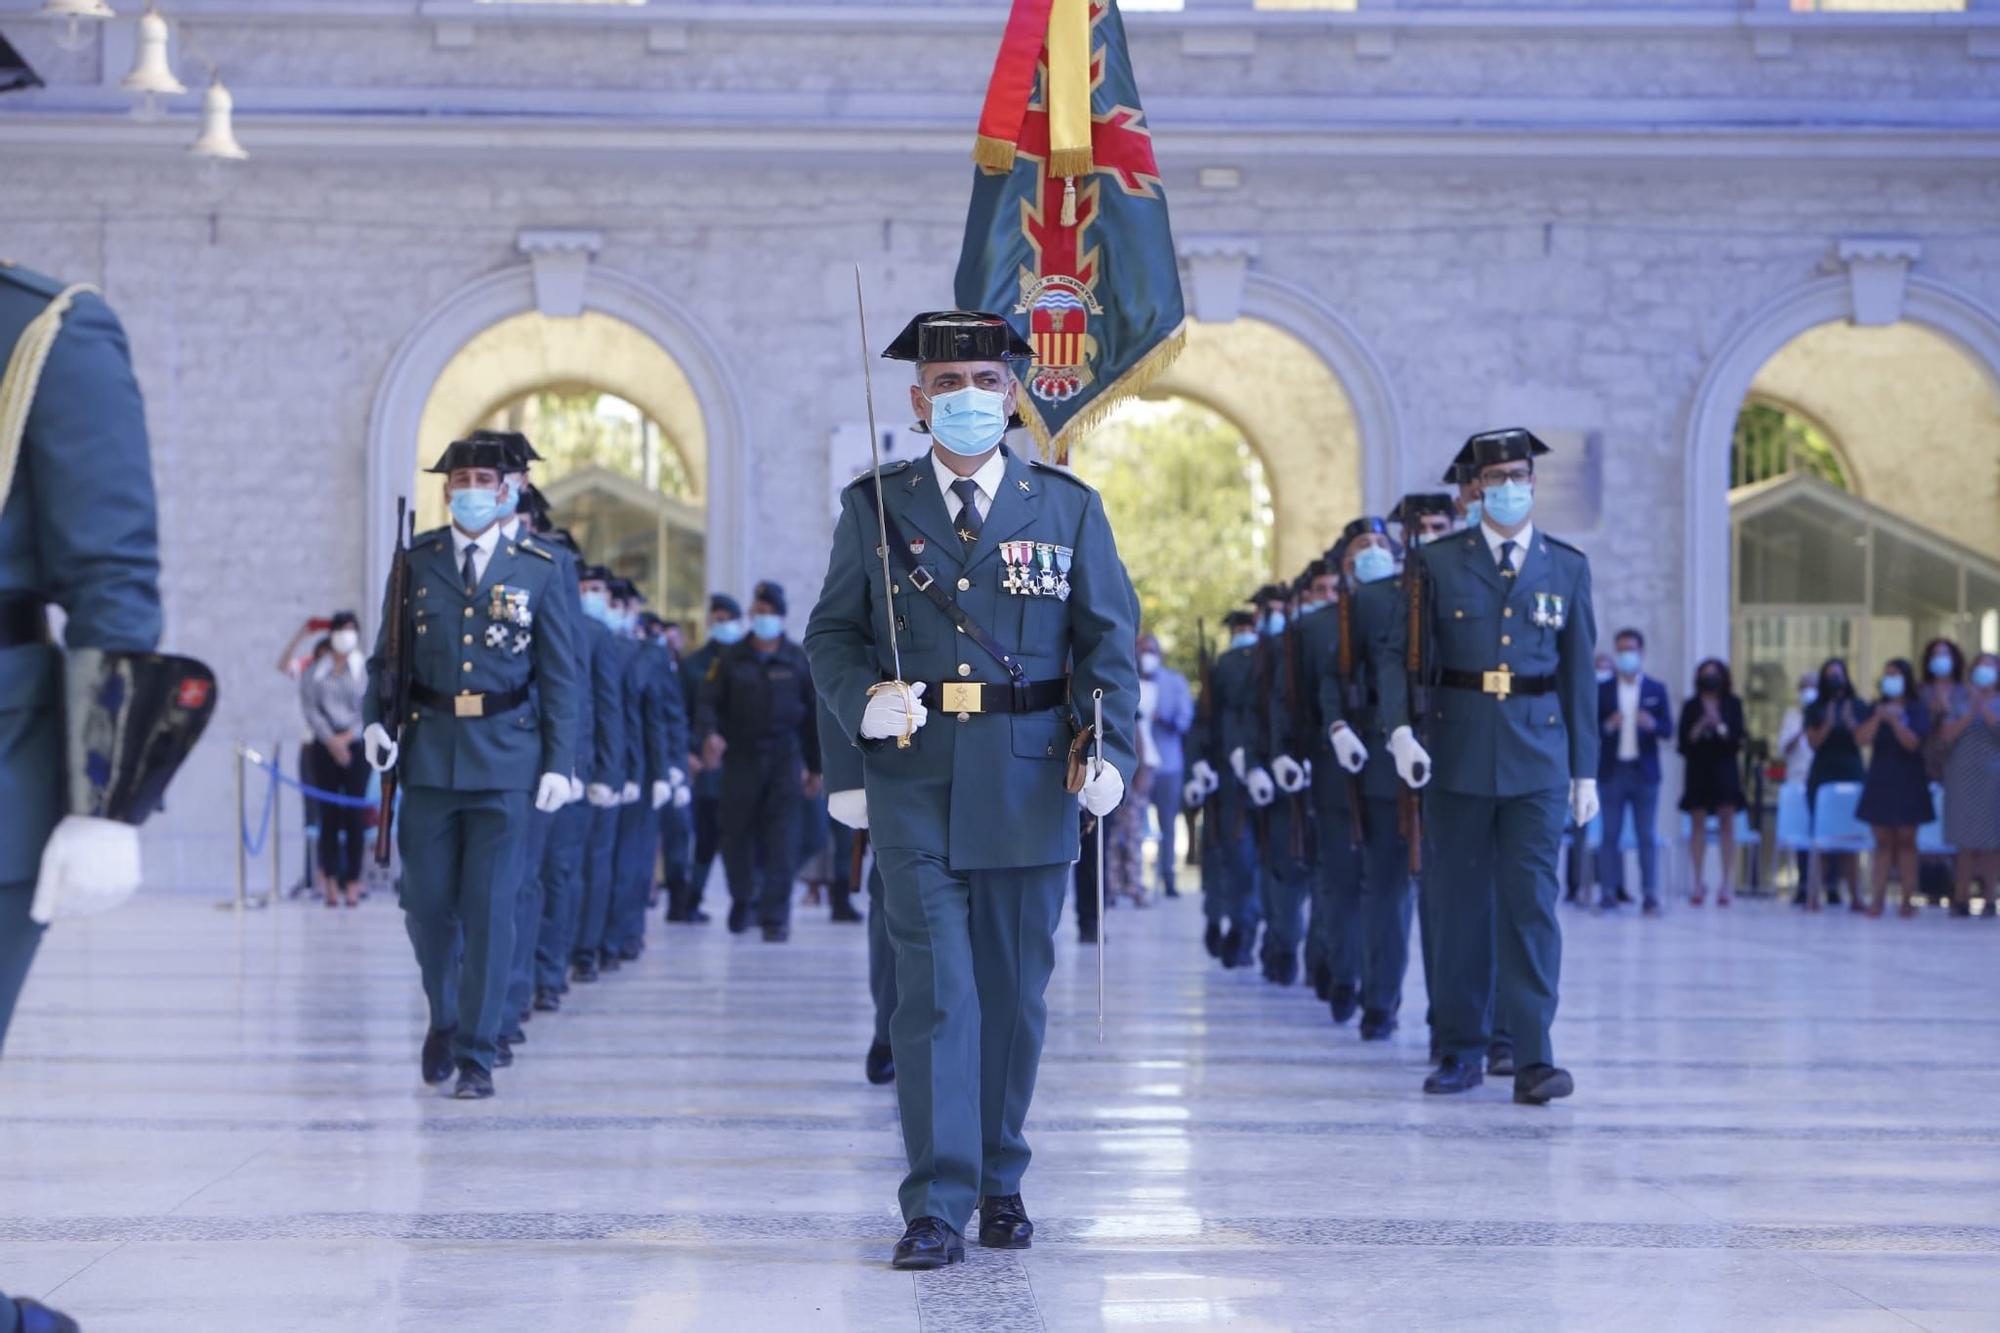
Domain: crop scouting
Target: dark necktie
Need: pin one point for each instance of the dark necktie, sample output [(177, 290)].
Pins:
[(1507, 560), (470, 572), (967, 491)]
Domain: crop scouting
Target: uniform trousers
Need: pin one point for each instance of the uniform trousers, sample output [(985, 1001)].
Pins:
[(1385, 907), (974, 950), (676, 841), (705, 814), (632, 876), (881, 958), (1339, 871), (1287, 875), (562, 895), (1499, 947), (1166, 800), (462, 869), (527, 922), (594, 908), (761, 796), (19, 938)]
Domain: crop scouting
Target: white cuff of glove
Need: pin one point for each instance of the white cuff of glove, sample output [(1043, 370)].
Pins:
[(1583, 800), (1348, 749), (1413, 762), (1288, 774), (378, 749), (601, 796), (1192, 793), (683, 797), (1236, 763), (677, 777), (1262, 790), (629, 793), (551, 793), (1204, 774), (890, 714), (663, 791), (1102, 790), (849, 807), (577, 789), (89, 866)]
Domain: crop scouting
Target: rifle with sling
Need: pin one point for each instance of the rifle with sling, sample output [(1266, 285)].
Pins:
[(392, 685), (1203, 711), (1352, 699), (1418, 666)]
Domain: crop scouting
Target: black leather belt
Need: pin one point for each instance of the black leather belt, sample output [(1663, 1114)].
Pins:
[(977, 696), (23, 621), (468, 705), (1499, 683)]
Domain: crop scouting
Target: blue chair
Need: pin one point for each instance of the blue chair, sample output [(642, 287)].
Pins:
[(1748, 839), (1794, 831), (1835, 829), (1628, 841), (1930, 837)]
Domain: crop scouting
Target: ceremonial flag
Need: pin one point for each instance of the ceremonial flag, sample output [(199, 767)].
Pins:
[(1067, 235)]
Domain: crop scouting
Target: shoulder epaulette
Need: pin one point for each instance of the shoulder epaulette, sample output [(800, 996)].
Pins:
[(1057, 469), (41, 284), (1567, 546), (533, 549), (429, 537), (888, 470)]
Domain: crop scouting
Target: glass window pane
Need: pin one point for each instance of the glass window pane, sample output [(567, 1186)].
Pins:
[(1982, 613), (1915, 597), (1802, 553)]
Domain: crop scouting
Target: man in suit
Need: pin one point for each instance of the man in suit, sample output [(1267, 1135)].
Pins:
[(489, 736), (1011, 611), (1505, 615), (1633, 714)]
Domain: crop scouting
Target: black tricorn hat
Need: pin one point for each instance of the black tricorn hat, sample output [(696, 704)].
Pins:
[(958, 335), (771, 593), (1418, 503), (473, 452), (1239, 620), (15, 73), (514, 447), (1270, 592), (1460, 470), (1511, 445), (533, 502), (1355, 528)]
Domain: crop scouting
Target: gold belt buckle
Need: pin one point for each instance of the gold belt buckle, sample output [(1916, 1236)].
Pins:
[(468, 705), (963, 697), (1498, 683)]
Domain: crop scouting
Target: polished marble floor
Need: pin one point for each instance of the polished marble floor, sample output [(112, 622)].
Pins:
[(214, 1123)]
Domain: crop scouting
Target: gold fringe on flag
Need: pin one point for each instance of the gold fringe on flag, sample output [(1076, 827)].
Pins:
[(1069, 88), (993, 154), (1135, 380)]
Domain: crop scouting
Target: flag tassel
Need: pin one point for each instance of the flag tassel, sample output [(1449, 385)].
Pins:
[(1069, 202)]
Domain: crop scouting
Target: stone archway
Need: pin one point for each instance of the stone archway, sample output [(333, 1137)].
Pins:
[(1711, 420), (396, 419)]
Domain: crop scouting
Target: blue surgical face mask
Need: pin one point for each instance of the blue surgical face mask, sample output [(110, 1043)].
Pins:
[(1509, 502), (597, 606), (510, 499), (1474, 511), (474, 510), (1243, 638), (1892, 687), (1627, 660), (767, 626), (1603, 676), (1985, 675), (726, 632), (1274, 623), (1808, 696), (1373, 564), (1941, 665), (968, 421)]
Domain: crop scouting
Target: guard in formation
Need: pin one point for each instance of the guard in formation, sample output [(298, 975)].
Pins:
[(1012, 614), (1451, 626)]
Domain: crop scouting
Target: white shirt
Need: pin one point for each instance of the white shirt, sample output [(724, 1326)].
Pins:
[(991, 473), (482, 549), (1628, 717), (1149, 700), (1520, 540)]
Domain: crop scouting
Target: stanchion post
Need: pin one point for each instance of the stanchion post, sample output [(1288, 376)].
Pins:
[(243, 902), (277, 823)]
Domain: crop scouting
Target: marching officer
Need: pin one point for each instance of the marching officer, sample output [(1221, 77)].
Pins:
[(580, 842), (1011, 611), (757, 720), (492, 724), (1283, 734), (663, 718), (1508, 631), (847, 803), (1232, 896), (77, 529), (589, 957), (725, 629), (1424, 516)]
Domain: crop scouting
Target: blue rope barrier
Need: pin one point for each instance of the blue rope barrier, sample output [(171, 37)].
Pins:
[(330, 797), (269, 768)]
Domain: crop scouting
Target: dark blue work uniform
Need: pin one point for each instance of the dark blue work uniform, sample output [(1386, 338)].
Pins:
[(763, 706)]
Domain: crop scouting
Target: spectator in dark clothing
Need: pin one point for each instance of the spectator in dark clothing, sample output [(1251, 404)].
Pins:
[(330, 693), (1830, 721), (1632, 714), (1896, 795), (1711, 741)]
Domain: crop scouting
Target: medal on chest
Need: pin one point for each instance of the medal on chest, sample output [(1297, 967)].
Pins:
[(1035, 569)]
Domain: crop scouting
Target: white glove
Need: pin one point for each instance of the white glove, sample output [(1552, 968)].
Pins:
[(1348, 749), (1413, 762), (1102, 790), (552, 794), (576, 790), (677, 776), (1583, 800), (379, 750), (1262, 790), (1236, 763), (890, 714), (628, 793), (601, 796), (849, 807), (1192, 793), (88, 866), (1289, 774), (663, 791), (1204, 773), (683, 797), (1308, 766)]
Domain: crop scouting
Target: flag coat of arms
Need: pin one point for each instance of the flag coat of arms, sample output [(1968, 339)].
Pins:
[(1067, 234)]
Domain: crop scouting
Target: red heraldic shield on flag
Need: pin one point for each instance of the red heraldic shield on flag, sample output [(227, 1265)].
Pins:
[(1071, 244)]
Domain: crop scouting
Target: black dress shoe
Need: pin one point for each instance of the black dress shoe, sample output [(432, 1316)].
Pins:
[(928, 1243), (547, 1001), (630, 953), (699, 917), (777, 934), (1322, 981), (881, 1065), (436, 1058), (844, 911), (739, 918), (505, 1058), (1004, 1224), (584, 970), (1284, 969), (1344, 1000), (474, 1083), (1500, 1059), (1377, 1025), (1454, 1075), (1086, 934), (1171, 893), (1538, 1085), (1211, 939), (608, 961), (39, 1318)]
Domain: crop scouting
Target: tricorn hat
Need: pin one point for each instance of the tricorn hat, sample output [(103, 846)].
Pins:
[(1418, 503), (1355, 528), (1511, 445), (15, 72), (473, 452), (958, 335)]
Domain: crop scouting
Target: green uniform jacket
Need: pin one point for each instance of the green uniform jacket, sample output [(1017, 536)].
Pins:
[(1233, 723), (1371, 614), (1539, 623), (600, 751), (77, 530), (986, 791), (481, 644)]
